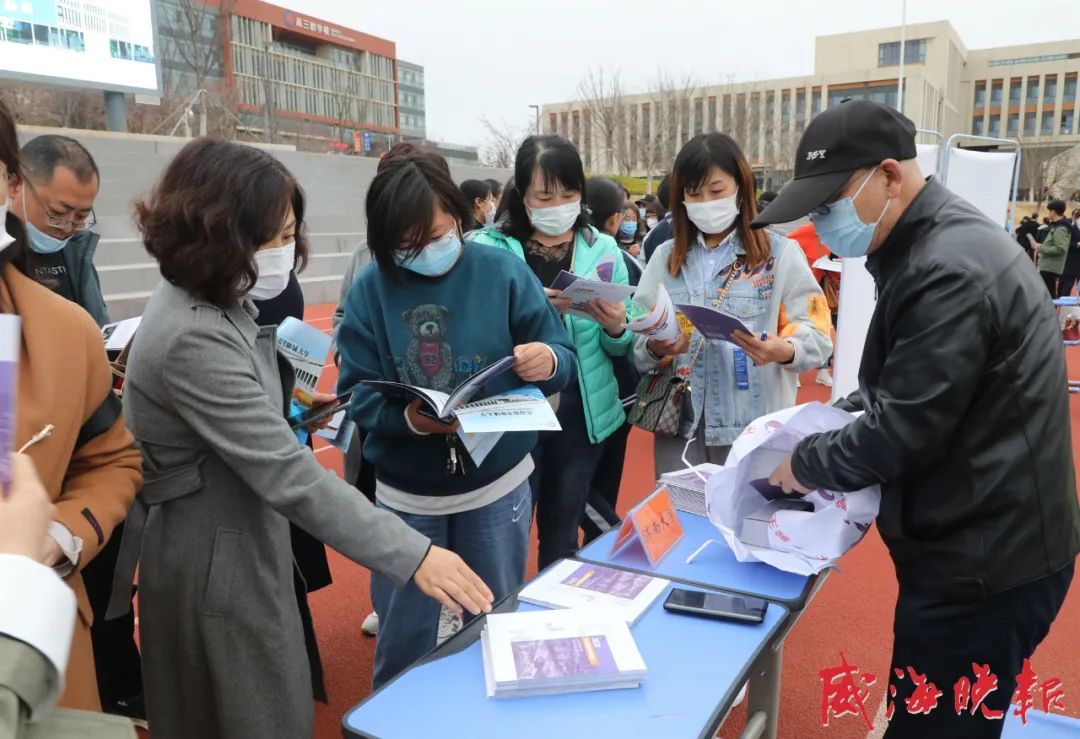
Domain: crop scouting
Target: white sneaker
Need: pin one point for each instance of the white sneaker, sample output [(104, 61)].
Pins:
[(823, 377), (371, 624), (449, 624)]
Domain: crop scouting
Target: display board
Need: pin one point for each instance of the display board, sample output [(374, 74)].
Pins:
[(983, 178), (96, 44)]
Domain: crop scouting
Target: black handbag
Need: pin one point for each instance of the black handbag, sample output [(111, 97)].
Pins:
[(659, 405), (661, 393)]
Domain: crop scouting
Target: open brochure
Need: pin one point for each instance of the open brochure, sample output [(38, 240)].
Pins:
[(581, 291), (444, 405), (826, 264), (306, 348), (522, 409), (660, 322), (712, 323), (574, 584), (561, 651)]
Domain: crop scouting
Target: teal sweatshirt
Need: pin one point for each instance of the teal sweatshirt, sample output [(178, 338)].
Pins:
[(434, 332)]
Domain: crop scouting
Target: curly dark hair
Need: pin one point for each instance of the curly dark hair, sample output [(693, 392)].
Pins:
[(216, 203)]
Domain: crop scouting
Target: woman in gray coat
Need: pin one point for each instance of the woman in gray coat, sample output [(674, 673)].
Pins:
[(224, 652)]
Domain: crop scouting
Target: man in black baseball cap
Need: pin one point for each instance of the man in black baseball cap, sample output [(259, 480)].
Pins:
[(966, 422)]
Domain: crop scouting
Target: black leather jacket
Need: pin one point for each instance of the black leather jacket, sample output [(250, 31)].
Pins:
[(967, 410)]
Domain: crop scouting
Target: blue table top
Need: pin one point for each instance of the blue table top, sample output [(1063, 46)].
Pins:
[(715, 567), (695, 669), (1040, 726)]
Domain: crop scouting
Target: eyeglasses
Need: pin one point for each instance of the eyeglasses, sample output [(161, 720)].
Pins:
[(55, 221)]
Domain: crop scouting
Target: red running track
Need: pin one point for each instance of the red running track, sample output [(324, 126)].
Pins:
[(852, 612)]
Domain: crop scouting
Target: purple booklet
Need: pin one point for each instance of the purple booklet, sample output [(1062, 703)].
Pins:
[(598, 579), (546, 659), (10, 341), (768, 490), (712, 323)]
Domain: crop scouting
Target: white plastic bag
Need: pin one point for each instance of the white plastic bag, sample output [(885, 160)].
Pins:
[(801, 542)]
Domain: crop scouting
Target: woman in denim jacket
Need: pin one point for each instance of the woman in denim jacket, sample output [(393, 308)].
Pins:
[(759, 277)]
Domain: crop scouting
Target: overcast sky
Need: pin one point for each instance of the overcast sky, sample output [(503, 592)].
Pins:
[(491, 59)]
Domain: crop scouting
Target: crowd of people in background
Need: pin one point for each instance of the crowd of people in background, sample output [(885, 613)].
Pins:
[(233, 511)]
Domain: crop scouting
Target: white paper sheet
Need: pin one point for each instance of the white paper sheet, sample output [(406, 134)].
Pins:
[(660, 322), (801, 542), (118, 335), (580, 291)]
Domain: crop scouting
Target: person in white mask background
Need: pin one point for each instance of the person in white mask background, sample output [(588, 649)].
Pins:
[(225, 651), (761, 278), (55, 200), (481, 204), (547, 226), (432, 311)]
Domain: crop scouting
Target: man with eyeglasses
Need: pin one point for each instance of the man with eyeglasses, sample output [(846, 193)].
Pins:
[(55, 200), (966, 416)]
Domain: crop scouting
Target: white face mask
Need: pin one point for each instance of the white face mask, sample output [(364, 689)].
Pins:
[(6, 239), (274, 266), (714, 216), (555, 220), (489, 214)]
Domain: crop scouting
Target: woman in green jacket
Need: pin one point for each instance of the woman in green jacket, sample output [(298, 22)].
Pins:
[(546, 224)]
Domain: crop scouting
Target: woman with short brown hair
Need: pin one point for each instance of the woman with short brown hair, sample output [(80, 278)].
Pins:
[(224, 652)]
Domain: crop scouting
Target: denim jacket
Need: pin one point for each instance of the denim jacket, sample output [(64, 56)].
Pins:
[(780, 297)]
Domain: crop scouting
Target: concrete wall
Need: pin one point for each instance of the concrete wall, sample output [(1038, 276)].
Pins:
[(130, 164)]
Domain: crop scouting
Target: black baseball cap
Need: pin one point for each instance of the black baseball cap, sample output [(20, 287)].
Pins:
[(839, 141)]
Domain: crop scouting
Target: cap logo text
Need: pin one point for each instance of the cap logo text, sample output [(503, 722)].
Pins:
[(816, 154)]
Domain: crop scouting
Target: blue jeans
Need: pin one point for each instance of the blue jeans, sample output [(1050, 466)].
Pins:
[(493, 541)]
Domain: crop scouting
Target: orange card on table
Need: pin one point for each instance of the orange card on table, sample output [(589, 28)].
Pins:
[(654, 524)]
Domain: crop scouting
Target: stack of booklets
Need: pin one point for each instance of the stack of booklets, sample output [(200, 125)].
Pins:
[(573, 584), (563, 651), (687, 487)]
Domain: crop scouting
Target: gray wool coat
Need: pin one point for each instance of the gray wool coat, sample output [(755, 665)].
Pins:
[(223, 647)]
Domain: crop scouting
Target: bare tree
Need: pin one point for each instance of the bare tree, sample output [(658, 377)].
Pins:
[(628, 139), (1062, 173), (601, 96), (351, 106), (199, 54), (502, 144), (43, 106), (1046, 169), (668, 96)]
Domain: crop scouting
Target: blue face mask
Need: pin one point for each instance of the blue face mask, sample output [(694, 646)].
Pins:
[(627, 230), (841, 230), (435, 259), (42, 243)]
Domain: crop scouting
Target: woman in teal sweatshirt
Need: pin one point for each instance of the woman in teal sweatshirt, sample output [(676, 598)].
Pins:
[(547, 226), (431, 312)]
